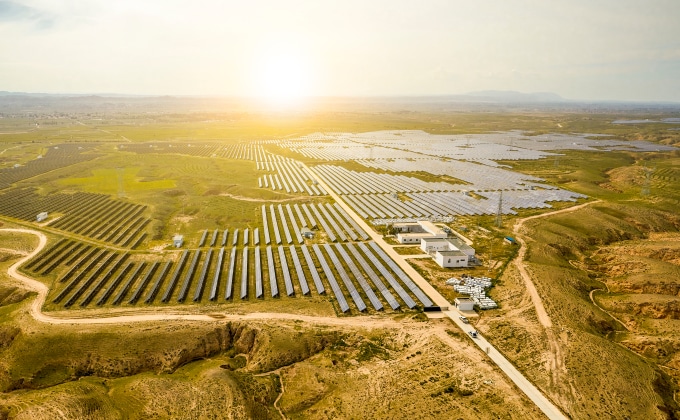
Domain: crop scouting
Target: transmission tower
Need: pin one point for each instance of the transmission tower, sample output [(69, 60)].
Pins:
[(499, 213)]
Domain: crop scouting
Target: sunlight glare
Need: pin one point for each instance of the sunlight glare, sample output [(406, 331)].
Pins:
[(283, 77)]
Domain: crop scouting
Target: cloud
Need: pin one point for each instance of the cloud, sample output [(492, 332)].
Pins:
[(11, 12)]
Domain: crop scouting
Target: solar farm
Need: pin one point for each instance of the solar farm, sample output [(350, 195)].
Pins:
[(303, 245), (214, 271)]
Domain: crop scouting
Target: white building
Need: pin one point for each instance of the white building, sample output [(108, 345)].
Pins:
[(464, 304), (450, 259), (178, 241), (41, 216), (414, 233), (448, 252)]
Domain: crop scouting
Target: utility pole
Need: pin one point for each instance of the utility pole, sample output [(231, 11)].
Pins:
[(499, 213)]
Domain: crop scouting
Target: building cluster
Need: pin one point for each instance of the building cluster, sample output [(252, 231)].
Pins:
[(447, 251)]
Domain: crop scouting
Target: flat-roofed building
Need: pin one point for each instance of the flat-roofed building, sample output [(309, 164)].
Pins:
[(448, 252), (448, 259), (464, 304), (414, 233)]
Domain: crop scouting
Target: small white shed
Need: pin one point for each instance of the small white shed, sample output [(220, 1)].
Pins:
[(464, 304)]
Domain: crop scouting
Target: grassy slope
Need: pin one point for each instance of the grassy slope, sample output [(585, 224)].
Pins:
[(595, 376)]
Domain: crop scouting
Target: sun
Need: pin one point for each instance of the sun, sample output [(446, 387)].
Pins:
[(283, 77)]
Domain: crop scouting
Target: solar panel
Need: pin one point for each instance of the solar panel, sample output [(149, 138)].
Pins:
[(229, 291), (90, 265), (121, 295), (330, 219), (246, 236), (272, 272), (258, 273), (202, 241), (214, 237), (286, 231), (175, 277), (115, 283), (267, 240), (201, 280), (358, 301), (90, 279), (402, 276), (188, 277), (244, 274), (277, 235), (142, 285), (303, 223), (234, 240), (286, 272), (329, 231), (218, 274), (344, 307), (293, 222), (312, 222), (354, 224), (224, 236), (302, 280), (373, 276), (359, 278), (103, 280), (313, 270), (256, 236), (388, 276), (159, 280), (341, 222)]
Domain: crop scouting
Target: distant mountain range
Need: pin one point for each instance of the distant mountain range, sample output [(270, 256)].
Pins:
[(512, 96), (495, 96)]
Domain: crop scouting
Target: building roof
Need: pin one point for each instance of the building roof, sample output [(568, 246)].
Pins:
[(177, 238), (433, 239), (454, 253), (459, 244), (404, 224), (431, 228), (463, 300), (423, 235)]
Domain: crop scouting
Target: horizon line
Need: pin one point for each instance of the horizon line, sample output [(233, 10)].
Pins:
[(473, 95)]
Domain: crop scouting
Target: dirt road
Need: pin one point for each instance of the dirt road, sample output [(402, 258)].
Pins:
[(129, 316), (543, 317), (556, 362)]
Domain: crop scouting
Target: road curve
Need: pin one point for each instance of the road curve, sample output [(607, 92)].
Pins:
[(165, 315)]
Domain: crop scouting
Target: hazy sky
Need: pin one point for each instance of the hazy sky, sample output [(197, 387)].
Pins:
[(580, 49)]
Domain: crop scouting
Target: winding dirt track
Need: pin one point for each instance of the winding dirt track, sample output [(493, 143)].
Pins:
[(543, 317), (557, 367), (165, 315)]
